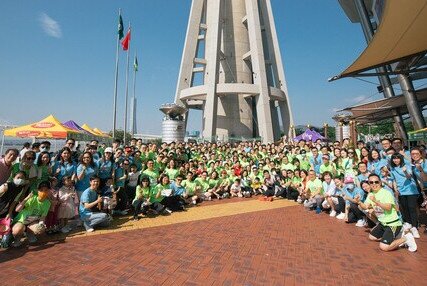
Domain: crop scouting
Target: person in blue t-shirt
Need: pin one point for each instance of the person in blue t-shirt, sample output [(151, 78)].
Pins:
[(316, 161), (363, 173), (85, 170), (375, 163), (89, 207), (352, 195), (106, 166), (406, 187), (64, 166), (178, 203)]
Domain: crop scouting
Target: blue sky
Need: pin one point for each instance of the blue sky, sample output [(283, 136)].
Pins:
[(58, 57)]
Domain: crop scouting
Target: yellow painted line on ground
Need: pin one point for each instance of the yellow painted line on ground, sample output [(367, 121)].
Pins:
[(192, 214)]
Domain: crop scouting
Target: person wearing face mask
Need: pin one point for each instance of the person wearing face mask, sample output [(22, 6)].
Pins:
[(352, 195), (32, 212), (44, 148), (28, 167), (9, 193)]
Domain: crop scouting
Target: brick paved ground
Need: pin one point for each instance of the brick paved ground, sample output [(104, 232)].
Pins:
[(281, 246)]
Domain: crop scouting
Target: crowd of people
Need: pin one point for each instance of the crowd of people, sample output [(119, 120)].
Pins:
[(380, 188)]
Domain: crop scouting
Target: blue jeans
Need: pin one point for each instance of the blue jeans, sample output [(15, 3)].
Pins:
[(97, 219)]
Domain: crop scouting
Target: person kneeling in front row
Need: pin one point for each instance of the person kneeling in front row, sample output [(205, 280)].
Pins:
[(90, 207), (389, 227), (32, 212)]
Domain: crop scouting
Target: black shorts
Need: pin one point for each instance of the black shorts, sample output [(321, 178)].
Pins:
[(387, 233)]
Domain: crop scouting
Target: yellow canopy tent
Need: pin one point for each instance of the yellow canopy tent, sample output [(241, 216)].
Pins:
[(102, 134), (49, 127), (88, 129)]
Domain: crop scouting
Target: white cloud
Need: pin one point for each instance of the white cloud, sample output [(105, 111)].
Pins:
[(50, 26)]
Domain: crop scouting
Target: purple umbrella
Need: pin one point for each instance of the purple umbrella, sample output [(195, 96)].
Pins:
[(309, 135)]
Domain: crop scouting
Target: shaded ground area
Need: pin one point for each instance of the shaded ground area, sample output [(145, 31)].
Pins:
[(282, 246)]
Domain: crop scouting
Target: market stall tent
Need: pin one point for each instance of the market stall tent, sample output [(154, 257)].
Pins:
[(47, 128)]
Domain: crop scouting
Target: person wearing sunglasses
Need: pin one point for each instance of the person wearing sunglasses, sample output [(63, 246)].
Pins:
[(387, 231)]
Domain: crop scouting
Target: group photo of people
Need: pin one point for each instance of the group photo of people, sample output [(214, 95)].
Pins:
[(380, 188)]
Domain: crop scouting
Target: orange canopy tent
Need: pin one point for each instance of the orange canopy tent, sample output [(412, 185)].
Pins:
[(49, 127)]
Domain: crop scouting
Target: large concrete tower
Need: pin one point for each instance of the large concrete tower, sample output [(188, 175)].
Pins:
[(232, 70)]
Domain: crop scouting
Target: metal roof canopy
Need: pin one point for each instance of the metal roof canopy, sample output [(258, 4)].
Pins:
[(401, 34), (381, 109)]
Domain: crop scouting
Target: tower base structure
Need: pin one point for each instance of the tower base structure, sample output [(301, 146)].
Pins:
[(232, 70)]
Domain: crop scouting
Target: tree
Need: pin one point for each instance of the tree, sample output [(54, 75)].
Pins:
[(119, 135)]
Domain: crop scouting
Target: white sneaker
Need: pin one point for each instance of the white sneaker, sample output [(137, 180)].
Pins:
[(90, 230), (406, 227), (333, 213), (341, 216), (168, 211), (415, 232), (299, 201), (194, 202), (361, 223), (410, 242)]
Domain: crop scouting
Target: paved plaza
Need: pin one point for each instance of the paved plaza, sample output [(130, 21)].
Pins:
[(232, 242)]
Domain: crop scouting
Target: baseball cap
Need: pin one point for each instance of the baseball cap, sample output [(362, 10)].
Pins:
[(108, 150), (348, 180)]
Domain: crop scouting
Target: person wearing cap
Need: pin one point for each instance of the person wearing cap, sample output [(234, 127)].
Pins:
[(327, 166), (388, 231), (255, 173), (106, 166)]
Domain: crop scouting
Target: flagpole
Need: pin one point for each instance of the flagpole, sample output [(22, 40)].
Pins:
[(126, 93), (115, 83), (134, 97)]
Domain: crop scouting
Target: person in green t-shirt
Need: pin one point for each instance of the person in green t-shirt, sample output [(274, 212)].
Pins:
[(192, 188), (327, 165), (171, 170), (204, 186), (151, 173), (314, 188), (141, 202), (31, 214), (381, 202)]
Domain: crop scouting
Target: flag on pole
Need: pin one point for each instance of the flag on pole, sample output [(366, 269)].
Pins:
[(125, 42), (120, 28), (135, 64)]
